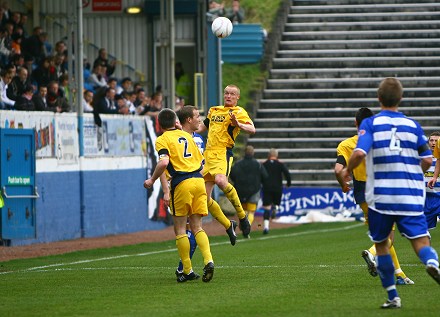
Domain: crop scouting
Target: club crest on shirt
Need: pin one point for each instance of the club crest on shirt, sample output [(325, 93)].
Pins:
[(361, 132)]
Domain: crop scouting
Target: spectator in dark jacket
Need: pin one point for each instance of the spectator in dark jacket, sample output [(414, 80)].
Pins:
[(18, 84), (247, 176), (273, 186), (24, 102), (34, 45)]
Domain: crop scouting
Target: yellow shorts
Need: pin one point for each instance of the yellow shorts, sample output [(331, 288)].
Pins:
[(252, 207), (189, 197), (218, 161)]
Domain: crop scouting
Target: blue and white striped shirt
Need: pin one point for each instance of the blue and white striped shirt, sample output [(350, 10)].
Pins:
[(394, 145)]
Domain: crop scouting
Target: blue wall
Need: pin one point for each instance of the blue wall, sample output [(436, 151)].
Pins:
[(115, 202)]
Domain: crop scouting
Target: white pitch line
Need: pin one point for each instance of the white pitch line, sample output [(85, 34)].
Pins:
[(227, 267), (40, 268)]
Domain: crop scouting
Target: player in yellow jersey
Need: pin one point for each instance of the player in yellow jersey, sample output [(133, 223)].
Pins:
[(180, 156), (344, 151), (224, 123)]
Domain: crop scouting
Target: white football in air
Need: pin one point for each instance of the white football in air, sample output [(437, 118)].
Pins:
[(222, 27)]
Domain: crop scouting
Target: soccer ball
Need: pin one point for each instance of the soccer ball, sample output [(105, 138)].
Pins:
[(222, 27)]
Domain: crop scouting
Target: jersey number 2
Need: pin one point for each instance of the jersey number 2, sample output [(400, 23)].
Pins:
[(185, 147)]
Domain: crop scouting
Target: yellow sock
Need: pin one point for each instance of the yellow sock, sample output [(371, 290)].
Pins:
[(183, 246), (397, 270), (251, 216), (203, 244), (372, 250), (232, 195), (215, 210)]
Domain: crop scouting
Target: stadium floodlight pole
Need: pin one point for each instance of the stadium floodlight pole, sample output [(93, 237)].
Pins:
[(79, 95), (79, 79)]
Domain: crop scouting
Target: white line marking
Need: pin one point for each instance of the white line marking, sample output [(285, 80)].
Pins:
[(42, 268)]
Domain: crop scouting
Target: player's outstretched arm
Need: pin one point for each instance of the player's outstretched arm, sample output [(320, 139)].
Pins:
[(160, 168), (433, 180)]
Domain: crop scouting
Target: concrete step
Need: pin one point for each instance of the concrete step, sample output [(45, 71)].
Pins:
[(342, 102), (358, 62), (348, 82), (362, 8), (306, 163), (325, 122), (353, 72), (364, 16), (359, 34), (345, 92), (321, 131), (353, 2), (311, 112), (360, 43), (378, 53), (305, 142), (361, 25)]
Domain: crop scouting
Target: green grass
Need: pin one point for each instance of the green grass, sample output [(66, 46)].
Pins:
[(310, 270)]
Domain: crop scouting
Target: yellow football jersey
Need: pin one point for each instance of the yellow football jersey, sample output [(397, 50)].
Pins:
[(221, 132), (345, 148), (182, 150), (437, 150)]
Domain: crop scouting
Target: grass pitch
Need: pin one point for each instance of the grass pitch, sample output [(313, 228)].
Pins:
[(310, 270)]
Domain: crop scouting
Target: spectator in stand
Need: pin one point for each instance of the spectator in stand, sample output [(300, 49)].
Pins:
[(25, 102), (16, 43), (126, 84), (18, 84), (3, 17), (87, 101), (5, 52), (179, 103), (15, 19), (140, 96), (128, 96), (45, 72), (60, 49), (156, 105), (34, 46), (97, 77), (248, 176), (137, 86), (65, 89), (122, 105), (17, 60), (29, 64), (107, 104), (144, 107), (183, 82), (235, 13), (47, 46), (54, 98), (6, 77), (23, 23), (9, 27), (215, 10), (60, 65), (113, 83), (40, 101), (102, 59)]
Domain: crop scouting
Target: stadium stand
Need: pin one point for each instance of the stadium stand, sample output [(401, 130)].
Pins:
[(329, 62)]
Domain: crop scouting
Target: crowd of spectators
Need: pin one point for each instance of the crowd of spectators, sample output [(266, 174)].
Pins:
[(34, 75), (235, 13)]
